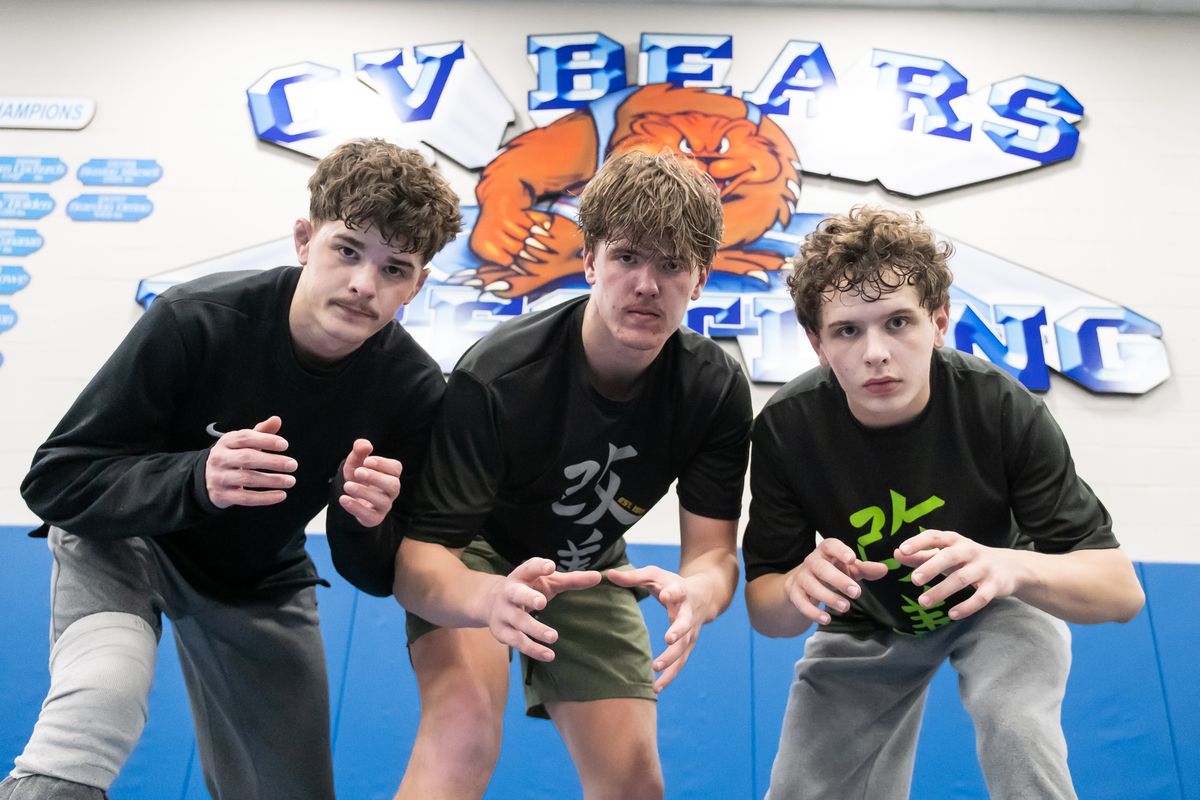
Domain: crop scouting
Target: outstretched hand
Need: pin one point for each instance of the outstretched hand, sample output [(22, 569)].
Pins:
[(371, 484), (687, 601), (244, 469), (829, 576), (517, 597)]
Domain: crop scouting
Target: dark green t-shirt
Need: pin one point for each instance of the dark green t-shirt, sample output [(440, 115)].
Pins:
[(984, 459)]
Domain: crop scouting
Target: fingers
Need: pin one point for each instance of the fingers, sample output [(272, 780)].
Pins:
[(532, 569), (358, 454), (650, 577), (271, 424), (671, 665), (245, 497), (868, 570), (558, 582)]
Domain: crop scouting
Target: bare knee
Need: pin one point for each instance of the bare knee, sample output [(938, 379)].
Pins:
[(642, 781)]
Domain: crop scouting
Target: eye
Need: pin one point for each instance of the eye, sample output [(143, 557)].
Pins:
[(896, 323), (724, 146), (395, 271), (346, 252), (846, 332), (673, 266), (684, 147)]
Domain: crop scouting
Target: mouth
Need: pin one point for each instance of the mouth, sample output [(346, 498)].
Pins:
[(881, 385), (725, 186), (644, 313)]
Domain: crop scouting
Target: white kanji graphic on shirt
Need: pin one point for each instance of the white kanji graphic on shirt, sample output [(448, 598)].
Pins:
[(605, 485)]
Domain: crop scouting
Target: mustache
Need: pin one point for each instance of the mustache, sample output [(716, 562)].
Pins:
[(359, 308)]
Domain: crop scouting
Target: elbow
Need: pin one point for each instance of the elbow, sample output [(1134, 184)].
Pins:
[(1131, 604)]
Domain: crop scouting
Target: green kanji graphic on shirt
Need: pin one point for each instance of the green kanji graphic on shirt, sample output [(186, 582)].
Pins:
[(924, 619), (875, 520)]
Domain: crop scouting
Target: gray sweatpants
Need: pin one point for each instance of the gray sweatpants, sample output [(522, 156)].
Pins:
[(850, 729), (255, 676)]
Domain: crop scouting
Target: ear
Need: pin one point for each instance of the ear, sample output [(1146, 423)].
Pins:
[(941, 324), (815, 341), (701, 281), (589, 267), (302, 233), (420, 282)]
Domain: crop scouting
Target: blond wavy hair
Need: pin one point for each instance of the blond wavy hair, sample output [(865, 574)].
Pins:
[(660, 202)]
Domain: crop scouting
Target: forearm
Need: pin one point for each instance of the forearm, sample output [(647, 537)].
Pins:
[(91, 492), (1083, 586), (771, 612), (364, 556), (432, 582)]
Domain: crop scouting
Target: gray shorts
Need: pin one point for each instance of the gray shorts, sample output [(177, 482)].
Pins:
[(603, 648)]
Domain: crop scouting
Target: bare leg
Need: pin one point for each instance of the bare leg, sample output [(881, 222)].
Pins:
[(614, 744), (462, 674)]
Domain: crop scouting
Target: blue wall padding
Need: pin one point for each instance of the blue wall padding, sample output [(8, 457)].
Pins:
[(1132, 714), (1175, 623)]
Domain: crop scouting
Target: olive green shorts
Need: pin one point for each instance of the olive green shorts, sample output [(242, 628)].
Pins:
[(603, 648)]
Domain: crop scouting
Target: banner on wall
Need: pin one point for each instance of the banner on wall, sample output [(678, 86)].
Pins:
[(904, 120)]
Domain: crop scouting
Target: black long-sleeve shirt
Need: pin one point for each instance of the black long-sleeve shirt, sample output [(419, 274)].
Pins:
[(215, 355)]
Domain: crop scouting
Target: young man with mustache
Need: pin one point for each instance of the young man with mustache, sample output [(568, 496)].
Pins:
[(953, 526), (559, 431), (169, 488)]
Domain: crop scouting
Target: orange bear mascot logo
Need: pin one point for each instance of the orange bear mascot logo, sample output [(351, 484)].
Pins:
[(751, 159)]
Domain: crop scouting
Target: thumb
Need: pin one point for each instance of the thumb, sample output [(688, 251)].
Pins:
[(271, 424), (871, 570), (358, 454)]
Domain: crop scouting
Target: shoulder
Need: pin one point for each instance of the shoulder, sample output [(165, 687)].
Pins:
[(395, 350), (254, 294), (523, 342), (976, 382), (810, 392)]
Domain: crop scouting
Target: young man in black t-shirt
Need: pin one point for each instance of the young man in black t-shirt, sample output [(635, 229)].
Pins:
[(169, 487), (953, 526), (559, 431)]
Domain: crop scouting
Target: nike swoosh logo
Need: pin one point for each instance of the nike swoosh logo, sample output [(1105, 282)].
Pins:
[(212, 431)]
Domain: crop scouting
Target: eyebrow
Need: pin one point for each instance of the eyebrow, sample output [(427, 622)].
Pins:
[(405, 259)]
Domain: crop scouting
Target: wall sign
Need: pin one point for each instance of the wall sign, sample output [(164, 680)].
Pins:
[(20, 241), (13, 279), (61, 113), (911, 122), (25, 205), (30, 169), (109, 208), (119, 172)]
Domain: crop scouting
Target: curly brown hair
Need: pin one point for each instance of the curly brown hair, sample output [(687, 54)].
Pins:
[(869, 252), (660, 202), (371, 182)]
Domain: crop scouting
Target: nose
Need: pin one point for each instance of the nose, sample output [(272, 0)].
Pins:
[(875, 348), (362, 281), (647, 281)]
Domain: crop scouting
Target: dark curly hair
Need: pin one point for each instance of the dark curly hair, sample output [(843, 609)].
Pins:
[(371, 182), (869, 252), (659, 201)]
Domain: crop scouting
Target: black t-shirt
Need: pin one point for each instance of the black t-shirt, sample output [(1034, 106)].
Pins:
[(984, 459), (215, 355), (529, 455)]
